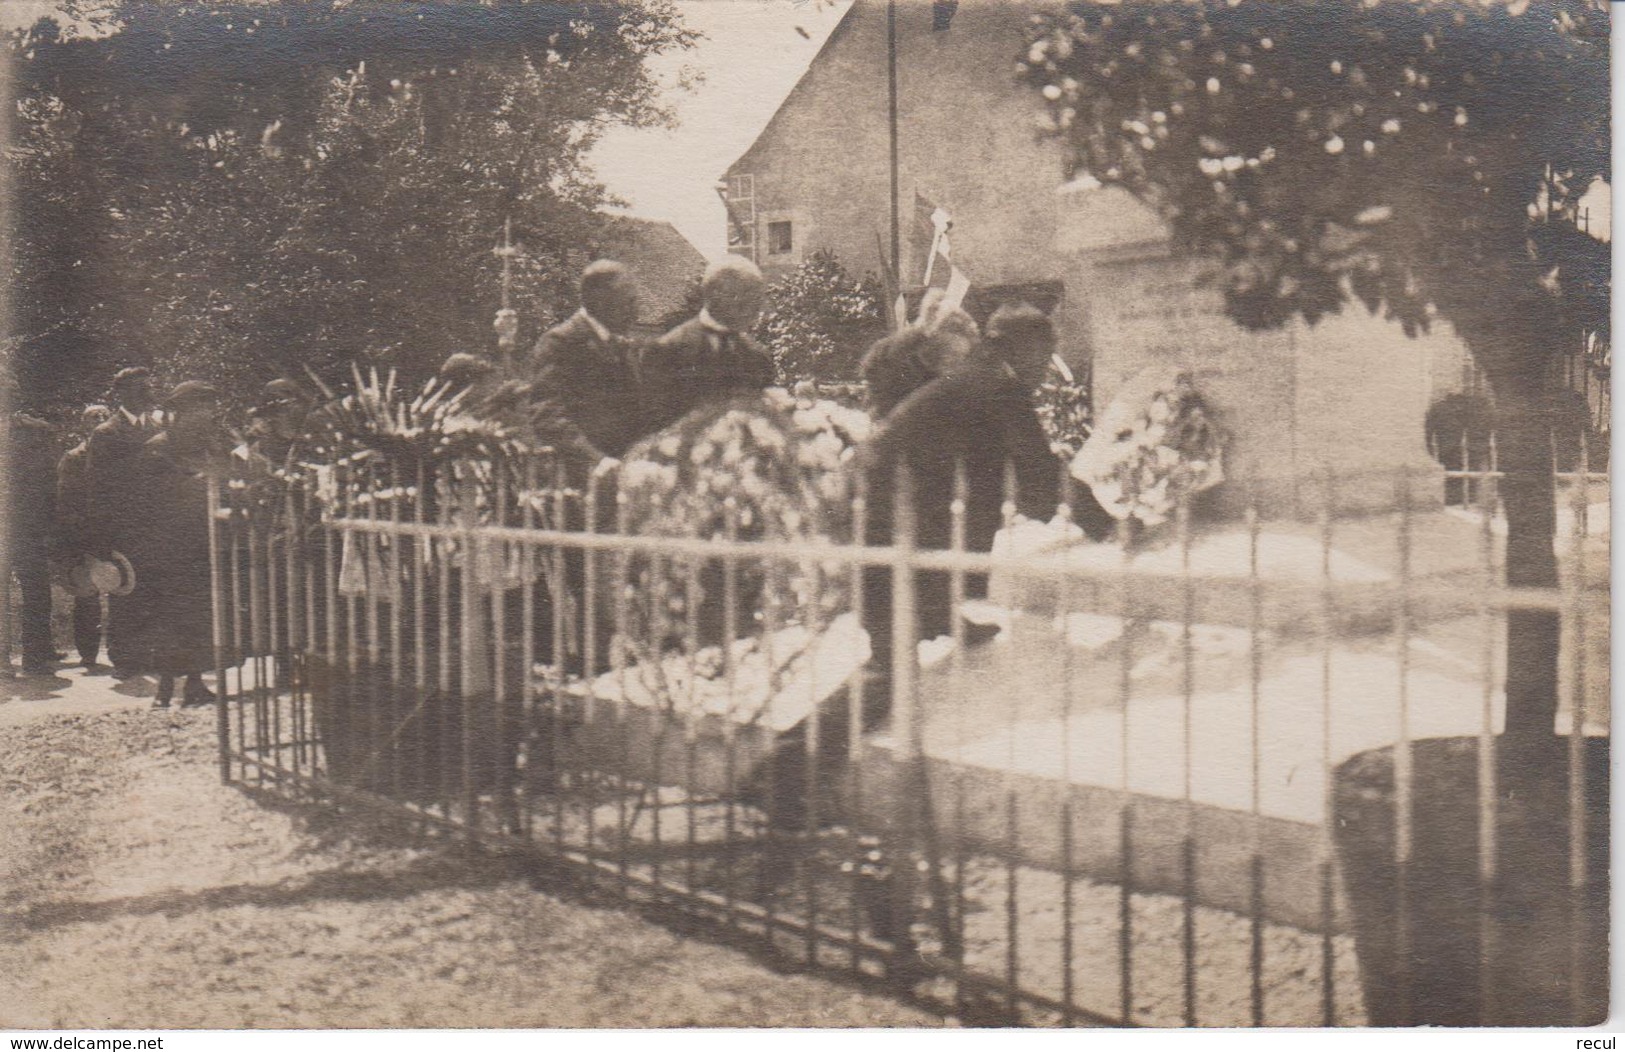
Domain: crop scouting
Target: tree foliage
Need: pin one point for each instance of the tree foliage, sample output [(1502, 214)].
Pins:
[(243, 190), (819, 320), (1406, 153), (1424, 157)]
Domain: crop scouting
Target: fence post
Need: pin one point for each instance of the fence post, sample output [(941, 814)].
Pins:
[(217, 629), (472, 642), (905, 656)]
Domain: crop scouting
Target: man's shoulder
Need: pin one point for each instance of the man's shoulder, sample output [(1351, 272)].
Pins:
[(683, 333), (569, 332)]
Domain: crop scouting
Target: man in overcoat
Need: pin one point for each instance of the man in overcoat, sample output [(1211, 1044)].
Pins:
[(583, 376), (979, 414), (710, 357), (72, 516), (584, 369), (31, 494), (121, 508)]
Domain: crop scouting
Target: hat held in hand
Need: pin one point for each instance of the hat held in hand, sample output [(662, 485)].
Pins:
[(93, 576)]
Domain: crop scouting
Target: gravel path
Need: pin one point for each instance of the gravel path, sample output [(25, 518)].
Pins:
[(138, 892)]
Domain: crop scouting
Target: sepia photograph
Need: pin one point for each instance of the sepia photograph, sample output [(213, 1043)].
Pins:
[(630, 514)]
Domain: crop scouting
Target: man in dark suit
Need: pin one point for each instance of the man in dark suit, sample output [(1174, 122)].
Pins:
[(120, 507), (980, 414), (31, 493), (584, 370), (583, 376), (72, 513), (710, 357)]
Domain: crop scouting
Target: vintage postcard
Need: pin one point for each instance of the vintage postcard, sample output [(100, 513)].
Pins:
[(788, 513)]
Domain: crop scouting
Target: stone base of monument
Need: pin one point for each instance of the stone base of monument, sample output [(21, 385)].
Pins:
[(1441, 555), (1526, 948), (1142, 725)]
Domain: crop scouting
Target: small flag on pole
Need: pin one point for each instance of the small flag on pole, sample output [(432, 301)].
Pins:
[(958, 285)]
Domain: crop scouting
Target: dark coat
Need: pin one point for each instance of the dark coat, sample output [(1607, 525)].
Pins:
[(893, 369), (590, 387), (31, 484), (73, 499), (692, 366), (118, 499), (172, 560), (978, 414)]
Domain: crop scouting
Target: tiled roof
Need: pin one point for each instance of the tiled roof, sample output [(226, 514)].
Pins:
[(662, 260)]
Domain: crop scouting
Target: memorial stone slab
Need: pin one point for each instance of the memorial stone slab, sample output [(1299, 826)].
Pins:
[(1343, 399)]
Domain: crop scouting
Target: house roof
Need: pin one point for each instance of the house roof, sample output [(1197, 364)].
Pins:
[(841, 29), (663, 261)]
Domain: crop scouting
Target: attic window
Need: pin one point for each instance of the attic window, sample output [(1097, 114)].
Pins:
[(942, 13), (778, 238)]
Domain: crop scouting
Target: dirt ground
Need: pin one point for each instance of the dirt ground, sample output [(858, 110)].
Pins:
[(136, 891)]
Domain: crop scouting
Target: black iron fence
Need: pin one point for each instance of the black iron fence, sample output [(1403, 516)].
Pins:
[(1217, 781)]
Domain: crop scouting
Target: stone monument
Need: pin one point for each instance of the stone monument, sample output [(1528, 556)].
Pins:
[(1347, 396)]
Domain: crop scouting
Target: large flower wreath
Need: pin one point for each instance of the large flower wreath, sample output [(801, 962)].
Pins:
[(1150, 455), (760, 468)]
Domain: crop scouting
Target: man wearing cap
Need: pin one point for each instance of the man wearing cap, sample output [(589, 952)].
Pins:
[(120, 507), (72, 517), (173, 574), (711, 356)]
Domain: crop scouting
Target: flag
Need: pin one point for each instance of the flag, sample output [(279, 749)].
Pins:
[(958, 285), (940, 222), (932, 224)]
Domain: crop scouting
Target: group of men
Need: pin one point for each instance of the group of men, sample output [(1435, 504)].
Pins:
[(607, 390), (946, 396), (55, 516), (110, 496)]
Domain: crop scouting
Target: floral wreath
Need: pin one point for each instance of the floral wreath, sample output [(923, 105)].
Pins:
[(1146, 460)]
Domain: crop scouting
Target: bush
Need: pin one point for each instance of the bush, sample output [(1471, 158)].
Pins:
[(819, 320)]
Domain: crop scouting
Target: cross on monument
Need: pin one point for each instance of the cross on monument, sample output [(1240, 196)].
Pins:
[(507, 319)]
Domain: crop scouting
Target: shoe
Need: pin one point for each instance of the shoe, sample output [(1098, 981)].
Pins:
[(93, 669), (197, 695), (166, 692), (125, 673), (979, 632), (38, 668), (160, 703)]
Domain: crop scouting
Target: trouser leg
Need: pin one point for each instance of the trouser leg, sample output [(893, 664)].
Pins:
[(34, 581), (87, 628)]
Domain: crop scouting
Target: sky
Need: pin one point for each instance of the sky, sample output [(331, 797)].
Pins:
[(751, 57)]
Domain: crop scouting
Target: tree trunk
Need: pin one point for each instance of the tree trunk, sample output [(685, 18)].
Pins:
[(1528, 493), (1515, 357)]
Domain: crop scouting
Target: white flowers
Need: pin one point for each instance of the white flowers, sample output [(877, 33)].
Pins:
[(1151, 452), (768, 468)]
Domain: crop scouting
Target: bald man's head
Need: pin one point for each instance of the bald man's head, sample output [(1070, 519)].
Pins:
[(733, 290), (610, 295)]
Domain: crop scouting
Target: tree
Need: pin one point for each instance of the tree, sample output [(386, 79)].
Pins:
[(819, 320), (246, 189), (1417, 156)]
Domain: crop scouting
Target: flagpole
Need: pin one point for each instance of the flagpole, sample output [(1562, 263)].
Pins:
[(891, 110)]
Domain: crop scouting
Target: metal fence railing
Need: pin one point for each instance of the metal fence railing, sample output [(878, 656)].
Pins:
[(1203, 783)]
